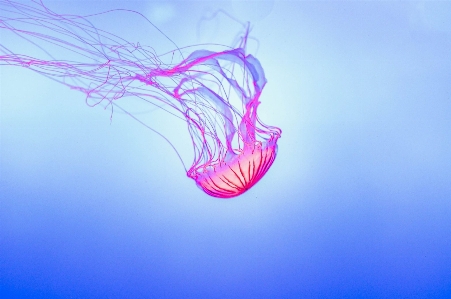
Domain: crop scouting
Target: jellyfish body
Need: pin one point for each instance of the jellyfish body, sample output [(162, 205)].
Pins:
[(215, 92), (231, 170)]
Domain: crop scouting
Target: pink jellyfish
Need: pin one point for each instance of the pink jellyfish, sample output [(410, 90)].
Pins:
[(216, 92)]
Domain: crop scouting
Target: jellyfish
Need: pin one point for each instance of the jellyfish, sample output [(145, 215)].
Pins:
[(215, 92)]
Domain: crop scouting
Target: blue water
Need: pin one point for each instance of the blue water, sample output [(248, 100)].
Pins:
[(356, 205)]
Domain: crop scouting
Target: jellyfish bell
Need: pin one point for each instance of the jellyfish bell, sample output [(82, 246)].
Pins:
[(236, 175), (216, 93)]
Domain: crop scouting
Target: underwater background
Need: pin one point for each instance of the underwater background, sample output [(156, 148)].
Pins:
[(356, 205)]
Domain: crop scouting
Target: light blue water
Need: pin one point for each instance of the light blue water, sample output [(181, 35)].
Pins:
[(356, 205)]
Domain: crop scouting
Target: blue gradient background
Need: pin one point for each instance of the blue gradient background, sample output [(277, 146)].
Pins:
[(357, 204)]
